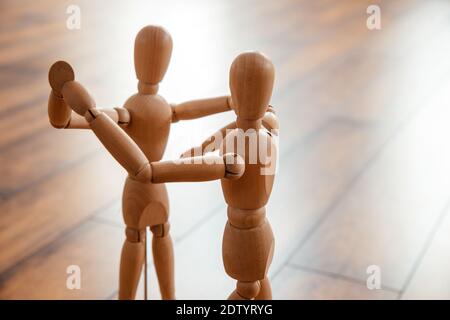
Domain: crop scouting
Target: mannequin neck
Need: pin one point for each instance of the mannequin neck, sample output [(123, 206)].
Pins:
[(245, 124), (147, 88)]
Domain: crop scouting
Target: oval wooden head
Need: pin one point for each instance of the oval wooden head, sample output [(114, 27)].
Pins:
[(152, 51), (60, 73), (251, 82)]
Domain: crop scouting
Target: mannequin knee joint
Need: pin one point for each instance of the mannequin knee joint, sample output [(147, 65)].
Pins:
[(160, 230), (134, 235), (248, 290)]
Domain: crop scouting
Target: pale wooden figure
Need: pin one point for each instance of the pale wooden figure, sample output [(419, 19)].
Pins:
[(248, 241), (136, 135)]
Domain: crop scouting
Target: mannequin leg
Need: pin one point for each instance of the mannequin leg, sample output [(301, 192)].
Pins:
[(132, 258), (265, 293), (245, 290), (163, 258)]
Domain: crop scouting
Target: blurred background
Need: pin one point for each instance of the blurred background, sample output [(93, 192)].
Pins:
[(364, 175)]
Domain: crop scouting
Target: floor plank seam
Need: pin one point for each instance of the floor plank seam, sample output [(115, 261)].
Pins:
[(207, 217), (40, 99), (428, 241), (58, 170), (305, 141), (354, 123), (282, 92), (212, 213), (112, 296), (8, 272), (336, 59), (331, 207), (106, 221), (22, 139), (328, 210), (337, 276)]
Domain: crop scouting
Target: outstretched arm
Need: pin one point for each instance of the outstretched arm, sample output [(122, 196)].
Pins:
[(212, 143), (60, 114), (128, 154), (200, 108), (194, 169)]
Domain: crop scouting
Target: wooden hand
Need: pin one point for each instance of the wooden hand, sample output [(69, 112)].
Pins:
[(62, 81)]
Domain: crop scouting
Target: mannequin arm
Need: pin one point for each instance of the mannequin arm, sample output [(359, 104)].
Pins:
[(195, 169), (128, 154), (121, 116), (200, 108), (115, 140), (60, 114), (62, 117), (212, 143)]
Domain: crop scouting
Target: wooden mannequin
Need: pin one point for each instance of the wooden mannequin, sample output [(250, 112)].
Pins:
[(248, 241), (136, 135)]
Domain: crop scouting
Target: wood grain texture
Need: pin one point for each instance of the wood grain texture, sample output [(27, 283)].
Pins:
[(293, 284), (41, 219), (93, 247), (429, 277), (363, 162), (392, 230)]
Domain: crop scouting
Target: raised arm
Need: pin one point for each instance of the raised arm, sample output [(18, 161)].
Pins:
[(128, 154), (200, 108), (120, 116), (115, 140), (60, 114)]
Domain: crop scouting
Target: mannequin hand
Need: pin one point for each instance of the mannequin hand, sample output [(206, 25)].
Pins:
[(62, 80), (60, 73), (77, 97)]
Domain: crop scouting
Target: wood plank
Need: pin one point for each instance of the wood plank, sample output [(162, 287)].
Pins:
[(374, 85), (39, 124), (44, 155), (309, 183), (392, 89), (386, 215), (37, 216), (335, 85), (431, 278), (94, 247), (295, 284), (342, 92)]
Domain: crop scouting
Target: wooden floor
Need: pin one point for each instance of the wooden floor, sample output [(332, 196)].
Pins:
[(364, 175)]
